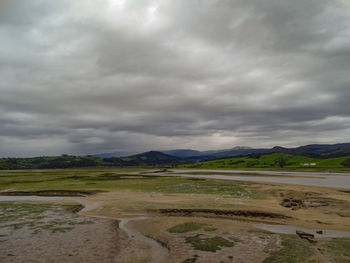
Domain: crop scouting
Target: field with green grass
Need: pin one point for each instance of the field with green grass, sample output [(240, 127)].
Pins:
[(147, 159), (118, 179), (272, 160)]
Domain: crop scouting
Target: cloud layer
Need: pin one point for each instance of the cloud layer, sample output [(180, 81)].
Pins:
[(93, 76)]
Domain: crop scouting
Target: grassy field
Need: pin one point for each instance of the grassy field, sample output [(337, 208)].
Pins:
[(117, 179), (273, 160), (293, 250)]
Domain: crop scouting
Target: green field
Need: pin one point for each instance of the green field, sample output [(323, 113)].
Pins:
[(117, 179), (273, 160), (69, 161)]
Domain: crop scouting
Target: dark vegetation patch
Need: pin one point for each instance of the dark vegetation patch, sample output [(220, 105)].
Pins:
[(340, 248), (75, 209), (209, 229), (68, 161), (186, 227), (211, 244), (52, 193), (241, 213), (111, 177), (294, 250), (308, 200), (39, 217), (189, 227), (193, 259), (292, 203), (346, 163)]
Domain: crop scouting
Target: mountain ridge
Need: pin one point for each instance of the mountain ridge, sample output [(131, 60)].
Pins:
[(316, 150), (310, 150)]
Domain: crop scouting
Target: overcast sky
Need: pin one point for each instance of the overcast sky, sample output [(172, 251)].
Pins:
[(92, 76)]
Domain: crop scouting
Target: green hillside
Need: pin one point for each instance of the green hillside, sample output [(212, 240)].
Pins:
[(273, 160), (67, 161)]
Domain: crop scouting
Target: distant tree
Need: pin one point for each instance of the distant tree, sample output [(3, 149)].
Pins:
[(346, 163), (255, 155), (252, 164), (281, 161), (12, 161)]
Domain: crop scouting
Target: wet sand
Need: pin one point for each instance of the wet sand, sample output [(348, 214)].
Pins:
[(107, 236), (52, 240), (142, 231)]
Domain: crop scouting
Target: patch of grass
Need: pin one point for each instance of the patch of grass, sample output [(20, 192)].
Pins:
[(209, 229), (35, 217), (191, 260), (112, 180), (294, 250), (340, 249), (211, 244), (189, 227), (61, 229), (186, 227), (235, 239)]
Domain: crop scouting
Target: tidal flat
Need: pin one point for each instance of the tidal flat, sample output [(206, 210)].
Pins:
[(194, 219)]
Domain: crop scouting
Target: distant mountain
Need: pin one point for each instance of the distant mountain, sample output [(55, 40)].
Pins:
[(235, 152), (112, 154), (316, 150), (183, 153), (154, 158), (194, 155)]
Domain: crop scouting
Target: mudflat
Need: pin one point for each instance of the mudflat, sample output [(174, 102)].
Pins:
[(131, 217)]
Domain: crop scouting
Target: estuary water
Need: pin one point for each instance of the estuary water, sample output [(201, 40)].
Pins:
[(324, 179)]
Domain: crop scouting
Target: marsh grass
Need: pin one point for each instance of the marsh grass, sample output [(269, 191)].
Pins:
[(193, 259), (186, 227), (211, 244), (209, 229), (39, 217), (340, 249), (294, 250), (86, 179)]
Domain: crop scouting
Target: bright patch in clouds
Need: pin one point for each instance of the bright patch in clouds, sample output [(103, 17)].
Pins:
[(89, 76)]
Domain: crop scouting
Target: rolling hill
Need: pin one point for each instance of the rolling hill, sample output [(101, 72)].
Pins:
[(316, 150), (273, 160), (315, 155), (312, 150), (67, 161), (193, 155), (154, 158), (183, 153)]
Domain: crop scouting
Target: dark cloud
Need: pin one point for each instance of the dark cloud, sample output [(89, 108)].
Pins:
[(93, 76)]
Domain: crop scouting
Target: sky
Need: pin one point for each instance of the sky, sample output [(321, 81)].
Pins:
[(94, 76)]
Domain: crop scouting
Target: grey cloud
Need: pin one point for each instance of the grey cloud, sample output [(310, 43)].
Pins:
[(93, 76)]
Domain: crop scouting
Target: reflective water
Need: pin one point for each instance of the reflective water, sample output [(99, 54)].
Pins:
[(339, 180), (291, 229), (30, 198)]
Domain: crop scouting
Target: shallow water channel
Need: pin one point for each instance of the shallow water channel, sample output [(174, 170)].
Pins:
[(291, 229), (338, 180)]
